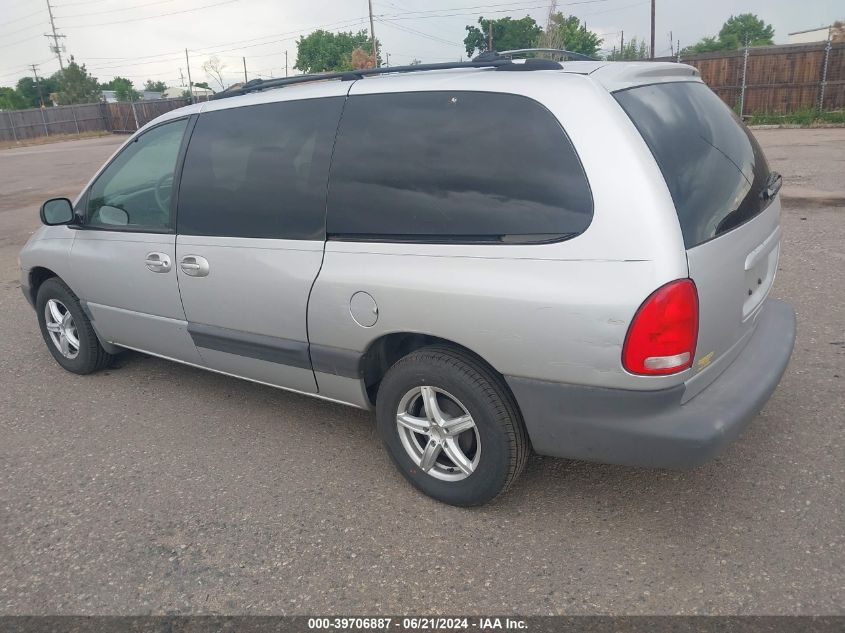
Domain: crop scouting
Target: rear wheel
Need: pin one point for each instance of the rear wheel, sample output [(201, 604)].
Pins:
[(451, 426), (67, 331)]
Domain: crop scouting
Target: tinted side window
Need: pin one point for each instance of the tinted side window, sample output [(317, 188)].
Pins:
[(455, 165), (259, 171), (134, 191), (712, 164)]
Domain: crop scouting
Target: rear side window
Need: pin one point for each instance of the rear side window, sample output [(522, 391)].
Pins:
[(445, 166), (712, 163), (259, 171)]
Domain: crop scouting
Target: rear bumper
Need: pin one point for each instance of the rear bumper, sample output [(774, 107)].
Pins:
[(653, 428)]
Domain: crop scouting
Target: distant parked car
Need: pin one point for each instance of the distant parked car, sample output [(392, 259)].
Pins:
[(572, 257)]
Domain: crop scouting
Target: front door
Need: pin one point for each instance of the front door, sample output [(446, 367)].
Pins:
[(123, 258), (251, 210)]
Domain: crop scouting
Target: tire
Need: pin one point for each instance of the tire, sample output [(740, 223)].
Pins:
[(493, 452), (86, 355)]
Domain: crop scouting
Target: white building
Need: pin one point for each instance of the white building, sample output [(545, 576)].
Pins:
[(176, 92), (110, 96)]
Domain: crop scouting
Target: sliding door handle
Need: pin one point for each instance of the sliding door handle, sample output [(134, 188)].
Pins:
[(194, 265)]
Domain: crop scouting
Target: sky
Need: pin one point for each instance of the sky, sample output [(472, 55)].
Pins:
[(146, 39)]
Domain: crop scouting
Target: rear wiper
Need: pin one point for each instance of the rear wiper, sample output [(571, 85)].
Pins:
[(772, 186)]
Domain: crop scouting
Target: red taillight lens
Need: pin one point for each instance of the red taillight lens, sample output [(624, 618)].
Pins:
[(663, 334)]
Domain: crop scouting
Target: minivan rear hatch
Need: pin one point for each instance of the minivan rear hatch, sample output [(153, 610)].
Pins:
[(726, 200)]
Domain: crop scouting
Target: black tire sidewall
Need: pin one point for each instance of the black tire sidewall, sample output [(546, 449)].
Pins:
[(85, 361), (491, 474)]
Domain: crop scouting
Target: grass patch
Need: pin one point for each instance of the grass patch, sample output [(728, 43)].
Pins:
[(807, 117)]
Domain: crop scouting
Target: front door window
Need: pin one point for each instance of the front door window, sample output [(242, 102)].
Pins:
[(134, 192)]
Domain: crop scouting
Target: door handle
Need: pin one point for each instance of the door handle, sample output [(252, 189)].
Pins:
[(194, 265), (158, 262)]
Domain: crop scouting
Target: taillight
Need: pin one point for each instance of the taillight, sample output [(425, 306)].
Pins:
[(664, 332)]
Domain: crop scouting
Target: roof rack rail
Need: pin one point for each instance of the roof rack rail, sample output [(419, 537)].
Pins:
[(493, 55), (257, 85)]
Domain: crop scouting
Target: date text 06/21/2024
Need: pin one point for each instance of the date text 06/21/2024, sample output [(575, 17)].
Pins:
[(417, 623)]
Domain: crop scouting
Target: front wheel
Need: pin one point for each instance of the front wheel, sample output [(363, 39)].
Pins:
[(67, 332), (451, 426)]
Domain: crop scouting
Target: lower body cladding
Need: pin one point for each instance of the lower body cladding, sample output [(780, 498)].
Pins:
[(654, 428)]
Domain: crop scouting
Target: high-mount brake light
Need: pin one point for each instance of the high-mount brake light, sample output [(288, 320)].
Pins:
[(663, 334)]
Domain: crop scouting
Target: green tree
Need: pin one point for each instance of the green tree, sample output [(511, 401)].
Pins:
[(735, 32), (114, 83), (11, 100), (76, 85), (155, 86), (28, 90), (124, 90), (568, 33), (707, 44), (746, 27), (631, 50), (508, 34), (201, 84), (323, 51)]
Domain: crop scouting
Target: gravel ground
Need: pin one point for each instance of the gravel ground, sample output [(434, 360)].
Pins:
[(157, 488)]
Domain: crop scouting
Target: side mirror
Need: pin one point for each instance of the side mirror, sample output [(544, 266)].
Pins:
[(112, 215), (57, 211)]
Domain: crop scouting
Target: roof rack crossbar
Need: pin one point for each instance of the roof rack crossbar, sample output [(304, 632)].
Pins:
[(257, 85), (519, 51)]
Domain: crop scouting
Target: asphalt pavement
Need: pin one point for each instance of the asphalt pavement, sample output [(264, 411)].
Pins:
[(153, 487)]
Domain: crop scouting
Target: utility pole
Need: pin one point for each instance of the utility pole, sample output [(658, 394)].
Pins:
[(622, 46), (388, 59), (286, 63), (652, 28), (671, 44), (373, 34), (490, 35), (37, 84), (181, 78), (245, 79), (55, 37), (190, 83)]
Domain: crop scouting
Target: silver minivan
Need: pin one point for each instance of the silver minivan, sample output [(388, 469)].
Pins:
[(495, 256)]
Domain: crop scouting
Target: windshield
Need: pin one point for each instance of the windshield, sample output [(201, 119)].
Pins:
[(712, 164)]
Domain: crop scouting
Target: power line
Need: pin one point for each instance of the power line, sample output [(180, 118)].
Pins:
[(25, 28), (73, 4), (28, 15), (131, 8), (153, 17), (408, 29), (214, 49), (487, 8), (26, 39)]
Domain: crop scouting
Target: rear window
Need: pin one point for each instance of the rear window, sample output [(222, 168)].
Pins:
[(454, 166), (712, 163)]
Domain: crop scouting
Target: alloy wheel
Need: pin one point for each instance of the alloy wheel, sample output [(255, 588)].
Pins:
[(438, 433), (62, 329)]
